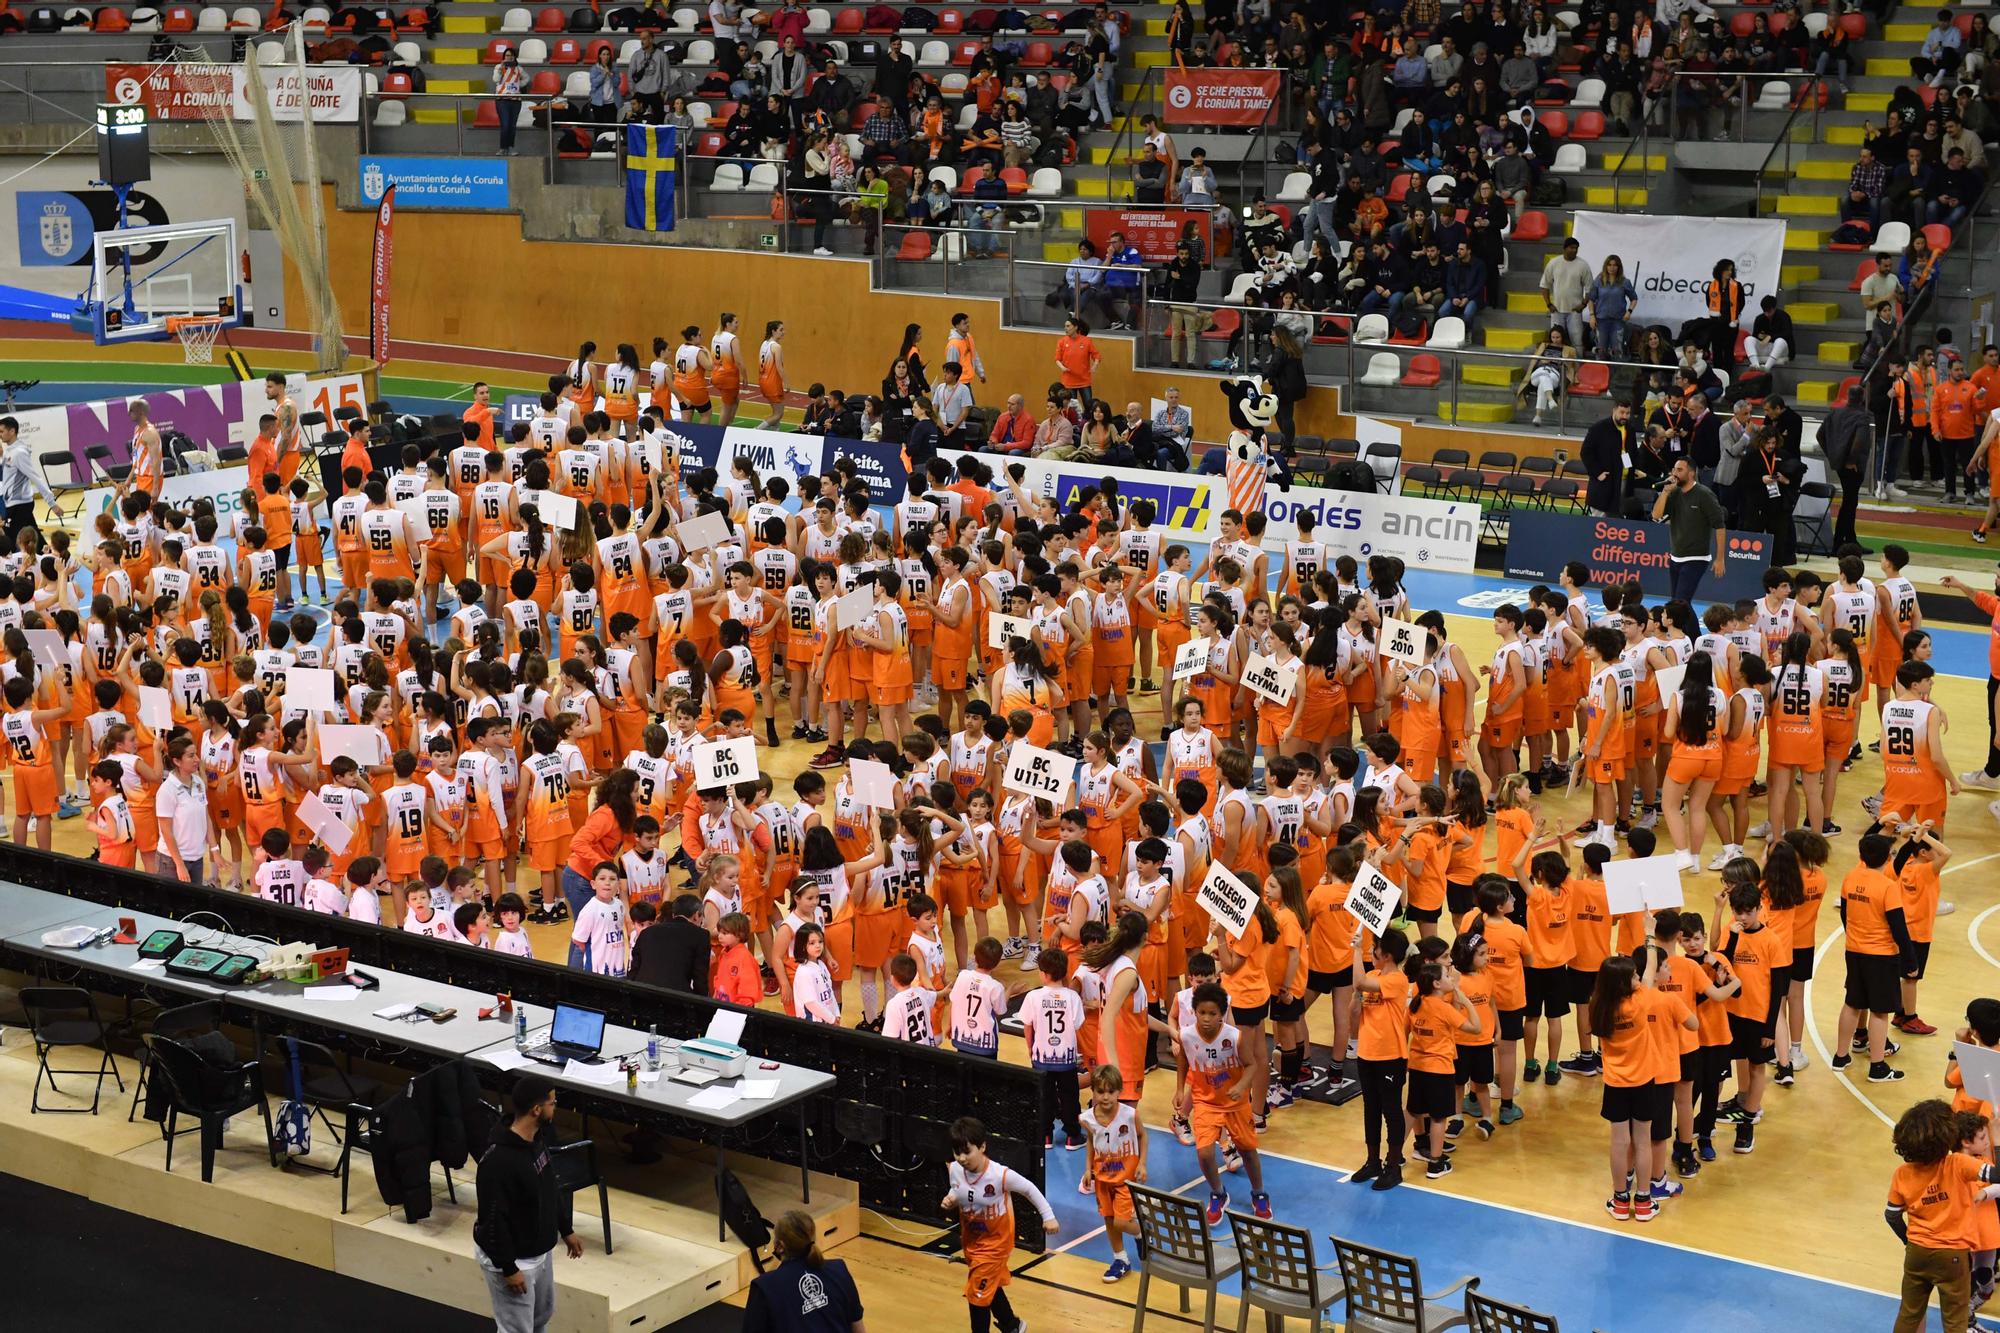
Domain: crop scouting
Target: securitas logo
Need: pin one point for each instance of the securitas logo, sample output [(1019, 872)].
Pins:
[(1179, 509), (1746, 546)]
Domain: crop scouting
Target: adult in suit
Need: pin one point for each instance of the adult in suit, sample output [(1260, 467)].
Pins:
[(1606, 446)]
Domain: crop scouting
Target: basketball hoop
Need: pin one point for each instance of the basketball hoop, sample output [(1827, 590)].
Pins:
[(197, 334)]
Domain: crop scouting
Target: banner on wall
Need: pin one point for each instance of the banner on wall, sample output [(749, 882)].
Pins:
[(1424, 534), (171, 91), (1154, 231), (1670, 260), (1538, 545), (378, 277), (212, 415), (1220, 96)]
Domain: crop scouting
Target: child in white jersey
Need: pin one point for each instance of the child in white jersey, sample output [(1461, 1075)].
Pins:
[(1117, 1158), (907, 1016), (1052, 1023), (321, 894), (977, 1002), (597, 942), (278, 877), (510, 911), (364, 884)]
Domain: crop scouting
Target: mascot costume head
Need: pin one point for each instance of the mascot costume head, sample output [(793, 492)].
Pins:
[(1252, 408)]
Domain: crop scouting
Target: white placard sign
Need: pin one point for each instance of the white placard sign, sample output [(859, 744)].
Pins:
[(1190, 660), (310, 688), (1669, 680), (559, 511), (874, 785), (48, 647), (419, 519), (1227, 899), (703, 531), (1372, 899), (725, 763), (1033, 771), (1263, 676), (156, 707), (1980, 1068), (1402, 640), (366, 746), (855, 608), (1001, 629), (330, 828), (1644, 885)]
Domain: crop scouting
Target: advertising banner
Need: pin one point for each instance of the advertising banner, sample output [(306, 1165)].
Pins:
[(378, 277), (1220, 96), (1153, 230), (436, 182), (171, 91), (1538, 545), (1670, 260)]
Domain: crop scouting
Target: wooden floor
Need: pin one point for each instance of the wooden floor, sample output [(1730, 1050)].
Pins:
[(1808, 1201)]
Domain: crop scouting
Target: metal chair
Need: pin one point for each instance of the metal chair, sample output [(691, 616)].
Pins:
[(1538, 465), (324, 1084), (1563, 490), (180, 1023), (575, 1165), (1485, 1315), (1810, 517), (209, 1092), (99, 456), (1279, 1276), (1386, 1295), (1180, 1250), (1424, 475), (66, 1016), (79, 482)]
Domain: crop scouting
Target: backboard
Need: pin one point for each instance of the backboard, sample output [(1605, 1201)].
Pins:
[(140, 276)]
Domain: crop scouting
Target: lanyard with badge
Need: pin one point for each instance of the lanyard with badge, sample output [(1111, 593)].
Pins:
[(1770, 472)]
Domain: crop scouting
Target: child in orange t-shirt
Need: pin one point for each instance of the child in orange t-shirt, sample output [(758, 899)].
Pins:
[(1932, 1198), (274, 515), (733, 977)]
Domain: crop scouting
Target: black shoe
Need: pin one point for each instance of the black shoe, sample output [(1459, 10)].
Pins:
[(1370, 1170), (1392, 1176), (1746, 1138), (1783, 1078), (1841, 1061), (1882, 1072), (558, 912)]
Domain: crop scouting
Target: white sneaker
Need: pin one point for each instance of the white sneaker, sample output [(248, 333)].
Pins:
[(1722, 858), (1686, 861), (1762, 831), (1648, 819), (821, 251), (1979, 778), (1799, 1060), (1898, 493), (1028, 957), (1946, 909), (1881, 492), (1873, 805)]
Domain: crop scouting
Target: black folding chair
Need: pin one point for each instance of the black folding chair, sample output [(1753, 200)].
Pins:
[(61, 1016), (180, 1023), (325, 1085), (575, 1165), (210, 1093)]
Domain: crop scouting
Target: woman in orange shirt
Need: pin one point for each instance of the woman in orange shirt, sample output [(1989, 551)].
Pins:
[(1076, 359), (1241, 961), (1439, 1012)]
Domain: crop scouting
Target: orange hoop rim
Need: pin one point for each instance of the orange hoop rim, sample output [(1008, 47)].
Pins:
[(175, 323)]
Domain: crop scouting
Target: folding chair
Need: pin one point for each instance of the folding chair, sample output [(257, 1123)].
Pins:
[(99, 457), (1485, 1315), (576, 1169), (180, 1023), (66, 1016), (1178, 1250), (72, 491), (1563, 490), (324, 1084), (1424, 475), (1810, 517), (1279, 1276), (1386, 1295), (1538, 465)]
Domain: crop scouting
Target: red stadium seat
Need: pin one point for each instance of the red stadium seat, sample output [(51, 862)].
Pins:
[(1556, 123), (1808, 92), (1742, 23), (177, 18), (949, 23), (1867, 228), (1424, 372), (1855, 25), (1593, 380), (847, 22), (601, 44), (1927, 95), (1531, 226), (707, 144), (397, 85), (550, 20), (1963, 23), (568, 51), (964, 52), (1417, 339), (1016, 179), (546, 83), (1038, 54), (1779, 20), (1840, 394), (486, 117), (1284, 211), (1227, 320), (972, 177), (720, 113), (916, 245), (1589, 125), (1399, 189), (111, 19), (496, 48), (1867, 267)]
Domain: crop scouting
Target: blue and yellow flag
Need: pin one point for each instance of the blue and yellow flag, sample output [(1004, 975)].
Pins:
[(650, 153)]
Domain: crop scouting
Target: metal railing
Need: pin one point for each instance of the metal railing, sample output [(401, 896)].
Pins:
[(1691, 99), (1039, 296), (1779, 160)]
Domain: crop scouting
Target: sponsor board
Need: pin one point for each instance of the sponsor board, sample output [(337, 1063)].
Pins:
[(1670, 260), (435, 182), (1220, 96), (173, 91), (1538, 545)]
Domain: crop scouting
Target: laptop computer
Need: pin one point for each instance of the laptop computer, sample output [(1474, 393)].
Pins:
[(576, 1034)]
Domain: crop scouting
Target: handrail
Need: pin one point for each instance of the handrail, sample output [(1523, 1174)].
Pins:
[(1808, 97), (1267, 131), (1121, 141), (1747, 103)]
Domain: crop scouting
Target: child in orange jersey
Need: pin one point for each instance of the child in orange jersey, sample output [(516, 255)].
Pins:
[(1439, 1012), (1117, 1159), (981, 1193), (1550, 948), (1880, 953), (1624, 1010), (1383, 1046), (1507, 961), (732, 976), (1918, 863), (1214, 1092), (1754, 951), (110, 817), (1932, 1198)]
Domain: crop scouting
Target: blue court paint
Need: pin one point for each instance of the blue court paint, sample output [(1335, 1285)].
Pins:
[(1611, 1278)]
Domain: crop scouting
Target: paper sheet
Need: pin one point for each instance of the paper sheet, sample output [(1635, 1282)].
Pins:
[(602, 1075), (364, 745), (872, 782), (336, 994), (703, 531), (395, 1012), (758, 1090), (727, 1025), (156, 707), (310, 688), (713, 1099), (506, 1058), (149, 964), (332, 830), (559, 511)]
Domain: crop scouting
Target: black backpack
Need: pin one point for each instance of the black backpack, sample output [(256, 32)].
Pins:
[(1550, 192), (739, 1212)]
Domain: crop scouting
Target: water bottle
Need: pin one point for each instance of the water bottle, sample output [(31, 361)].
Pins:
[(520, 1027), (652, 1048)]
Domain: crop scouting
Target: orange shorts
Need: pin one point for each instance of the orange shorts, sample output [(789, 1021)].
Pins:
[(1420, 764), (949, 673), (1109, 677), (1800, 750), (1688, 767), (985, 1275), (1013, 882), (1916, 812), (1839, 739), (953, 889), (306, 549), (878, 936), (888, 696), (1500, 734), (1602, 770), (225, 806), (35, 791), (1647, 736), (1210, 1122), (1114, 1199), (493, 573), (548, 854), (446, 562), (259, 819), (485, 849)]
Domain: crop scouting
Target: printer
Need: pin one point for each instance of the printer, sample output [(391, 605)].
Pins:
[(724, 1059)]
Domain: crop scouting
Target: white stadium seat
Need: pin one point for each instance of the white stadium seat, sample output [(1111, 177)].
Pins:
[(935, 53), (685, 20), (408, 53), (728, 179), (535, 51), (1894, 238), (1569, 157), (1239, 287), (1775, 95), (246, 17), (389, 114), (212, 19), (1046, 183), (517, 20), (700, 53), (1384, 368), (1372, 329), (763, 176), (1448, 335), (1589, 93), (576, 88), (818, 21), (627, 51), (1296, 189)]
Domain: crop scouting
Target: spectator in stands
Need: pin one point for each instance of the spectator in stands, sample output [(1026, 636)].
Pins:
[(1956, 135), (1608, 309), (893, 71), (648, 72), (1724, 295), (678, 116), (1018, 140), (987, 216), (1883, 330), (1606, 446), (772, 125), (1185, 321), (871, 197), (1881, 285), (1906, 195), (1513, 176), (822, 408), (1551, 370), (605, 100), (1101, 440), (1426, 281), (1149, 178), (951, 403), (1422, 16), (1013, 430), (1733, 441), (789, 23), (1054, 432), (1444, 67), (1076, 358), (1385, 282), (1770, 491), (1918, 273), (1465, 282), (1832, 50), (1771, 336), (1083, 280), (1285, 372), (1102, 86), (1939, 56), (1954, 190), (934, 208), (899, 390), (1667, 431), (1519, 77), (810, 179), (507, 90), (1124, 271), (1410, 76), (1173, 425), (1196, 187), (1863, 200), (832, 96), (726, 19), (885, 135), (1565, 287), (923, 437), (790, 72)]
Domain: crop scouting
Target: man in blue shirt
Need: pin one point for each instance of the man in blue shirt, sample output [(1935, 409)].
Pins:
[(1464, 285), (1121, 284)]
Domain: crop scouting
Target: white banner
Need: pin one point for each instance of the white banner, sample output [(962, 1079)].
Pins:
[(1227, 900), (1670, 260), (1424, 534), (335, 90)]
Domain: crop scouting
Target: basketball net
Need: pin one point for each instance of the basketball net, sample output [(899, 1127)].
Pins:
[(279, 167)]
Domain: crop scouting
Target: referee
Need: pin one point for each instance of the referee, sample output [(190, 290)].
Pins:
[(520, 1215)]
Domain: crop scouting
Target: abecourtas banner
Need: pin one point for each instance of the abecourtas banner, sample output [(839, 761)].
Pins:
[(1670, 260), (1538, 545), (212, 415)]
